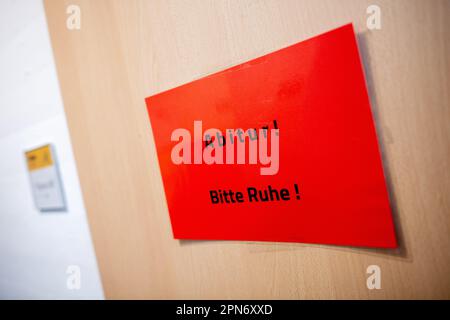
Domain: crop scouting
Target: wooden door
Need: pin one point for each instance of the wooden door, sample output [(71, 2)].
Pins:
[(126, 50)]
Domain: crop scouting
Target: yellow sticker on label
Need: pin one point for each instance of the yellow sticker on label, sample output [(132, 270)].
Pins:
[(39, 158)]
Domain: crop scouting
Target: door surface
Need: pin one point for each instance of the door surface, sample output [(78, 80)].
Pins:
[(128, 50)]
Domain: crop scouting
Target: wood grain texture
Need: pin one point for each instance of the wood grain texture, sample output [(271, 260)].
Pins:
[(128, 50)]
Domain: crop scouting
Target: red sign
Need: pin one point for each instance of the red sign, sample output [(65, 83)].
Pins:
[(316, 174)]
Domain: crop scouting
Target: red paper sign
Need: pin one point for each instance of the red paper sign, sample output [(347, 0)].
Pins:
[(324, 184)]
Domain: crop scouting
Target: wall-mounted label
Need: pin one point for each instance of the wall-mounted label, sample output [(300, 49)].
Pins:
[(280, 148), (45, 180)]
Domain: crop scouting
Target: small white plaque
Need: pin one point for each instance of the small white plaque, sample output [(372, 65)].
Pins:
[(45, 180)]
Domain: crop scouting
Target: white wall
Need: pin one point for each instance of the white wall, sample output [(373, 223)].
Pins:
[(36, 248)]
